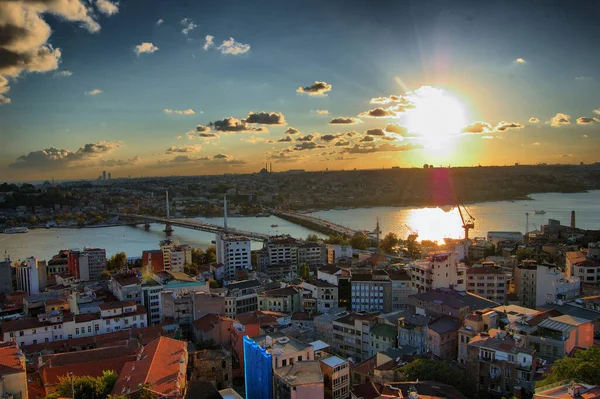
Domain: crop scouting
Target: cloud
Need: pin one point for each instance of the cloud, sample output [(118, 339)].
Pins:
[(54, 158), (188, 26), (183, 148), (385, 147), (285, 139), (478, 127), (111, 163), (292, 130), (320, 111), (388, 138), (367, 139), (208, 42), (352, 134), (378, 113), (342, 143), (265, 118), (202, 128), (344, 121), (160, 22), (24, 36), (388, 100), (188, 111), (256, 140), (208, 135), (583, 78), (560, 119), (375, 132), (583, 120), (520, 61), (145, 48), (585, 136), (329, 137), (307, 145), (597, 111), (94, 92), (503, 126), (533, 119), (284, 156), (308, 137), (107, 7), (62, 74), (232, 47), (219, 159), (232, 124), (397, 129), (316, 89)]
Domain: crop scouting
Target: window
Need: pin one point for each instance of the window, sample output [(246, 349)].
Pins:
[(284, 363), (299, 358)]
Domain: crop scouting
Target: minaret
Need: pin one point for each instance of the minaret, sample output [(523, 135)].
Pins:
[(225, 211), (526, 223), (167, 194), (377, 232)]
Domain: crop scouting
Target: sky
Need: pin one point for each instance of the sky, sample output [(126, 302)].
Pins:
[(157, 88)]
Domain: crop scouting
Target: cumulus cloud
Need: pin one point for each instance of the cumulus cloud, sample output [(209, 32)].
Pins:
[(385, 147), (307, 145), (342, 143), (533, 119), (316, 89), (208, 42), (597, 111), (503, 126), (202, 128), (218, 159), (232, 124), (284, 156), (308, 137), (320, 111), (188, 111), (285, 139), (54, 158), (478, 127), (344, 121), (375, 132), (62, 74), (292, 130), (388, 100), (583, 120), (183, 148), (188, 26), (397, 129), (560, 119), (265, 118), (232, 47), (94, 92), (24, 36), (367, 139), (378, 113), (209, 135), (107, 7), (160, 22), (329, 137), (145, 48), (520, 61), (111, 163), (536, 143), (352, 134)]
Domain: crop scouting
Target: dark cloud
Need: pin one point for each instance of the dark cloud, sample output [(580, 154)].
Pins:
[(583, 120), (330, 137), (54, 158), (218, 159), (385, 147), (503, 126), (378, 113), (208, 135), (308, 137), (478, 127), (292, 130), (308, 145), (352, 134), (265, 118), (397, 129), (284, 156), (388, 138), (285, 139), (182, 148), (316, 89), (344, 121), (342, 143), (202, 128), (232, 124), (367, 139), (375, 132)]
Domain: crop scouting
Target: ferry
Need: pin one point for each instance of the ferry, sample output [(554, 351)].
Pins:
[(274, 225), (540, 212), (16, 230)]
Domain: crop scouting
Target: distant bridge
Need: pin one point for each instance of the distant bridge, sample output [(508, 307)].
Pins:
[(325, 224), (195, 225)]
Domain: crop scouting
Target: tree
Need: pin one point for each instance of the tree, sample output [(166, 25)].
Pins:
[(210, 255), (438, 370), (360, 241), (85, 387), (337, 239), (191, 270), (117, 261), (584, 366), (413, 247), (213, 283), (105, 275), (312, 238), (524, 253), (389, 242), (304, 271), (197, 256)]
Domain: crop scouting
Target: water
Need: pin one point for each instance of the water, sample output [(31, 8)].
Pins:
[(430, 223)]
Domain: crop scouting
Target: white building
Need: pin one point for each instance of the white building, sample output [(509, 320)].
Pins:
[(324, 296), (336, 252), (166, 246), (439, 269), (372, 292), (234, 253), (181, 255), (552, 285), (28, 278)]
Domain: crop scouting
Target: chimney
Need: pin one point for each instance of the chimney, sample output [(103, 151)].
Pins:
[(572, 219)]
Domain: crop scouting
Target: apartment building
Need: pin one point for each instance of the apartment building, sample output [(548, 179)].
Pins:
[(234, 253), (447, 302), (28, 276), (442, 337), (286, 300), (336, 377), (475, 323), (180, 256), (401, 289), (525, 283), (12, 371), (302, 380), (439, 269), (556, 337), (584, 266), (383, 337), (88, 264), (283, 250), (336, 252), (242, 297), (412, 330), (371, 292), (323, 296), (537, 285), (488, 281), (285, 351), (312, 253), (351, 335)]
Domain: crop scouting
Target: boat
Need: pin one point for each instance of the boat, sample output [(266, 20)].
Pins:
[(262, 215), (540, 212), (274, 225), (16, 230), (213, 242)]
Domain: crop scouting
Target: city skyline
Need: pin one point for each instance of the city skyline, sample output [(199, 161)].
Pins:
[(185, 89)]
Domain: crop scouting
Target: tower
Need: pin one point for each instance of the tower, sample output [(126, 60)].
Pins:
[(572, 219), (377, 232), (168, 228), (225, 211)]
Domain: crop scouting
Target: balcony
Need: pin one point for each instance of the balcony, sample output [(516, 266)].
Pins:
[(524, 366), (487, 359)]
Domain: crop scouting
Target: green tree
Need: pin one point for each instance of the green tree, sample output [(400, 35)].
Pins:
[(304, 271), (197, 256), (584, 366), (413, 247), (337, 239), (213, 283), (524, 253), (312, 238), (85, 387), (105, 275), (389, 242), (438, 370), (191, 270), (117, 261), (210, 255), (360, 241)]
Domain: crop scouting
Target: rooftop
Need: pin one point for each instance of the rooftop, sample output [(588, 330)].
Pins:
[(562, 391), (301, 373), (11, 359), (116, 305), (280, 292), (444, 325), (319, 345), (333, 361), (455, 299), (562, 323), (279, 344), (384, 330), (330, 269), (241, 285), (352, 316)]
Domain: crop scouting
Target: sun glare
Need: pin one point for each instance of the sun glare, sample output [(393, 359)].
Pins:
[(436, 114)]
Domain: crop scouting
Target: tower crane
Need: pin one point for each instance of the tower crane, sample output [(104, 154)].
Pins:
[(469, 222), (412, 232)]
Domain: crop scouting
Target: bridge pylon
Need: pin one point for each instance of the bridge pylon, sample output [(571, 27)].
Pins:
[(168, 229)]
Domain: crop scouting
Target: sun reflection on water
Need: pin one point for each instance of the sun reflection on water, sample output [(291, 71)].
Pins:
[(433, 224)]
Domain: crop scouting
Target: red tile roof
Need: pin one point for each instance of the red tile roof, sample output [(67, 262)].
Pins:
[(11, 359), (159, 367), (116, 305)]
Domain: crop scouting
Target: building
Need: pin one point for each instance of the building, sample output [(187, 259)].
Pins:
[(213, 327), (252, 324), (351, 335), (161, 366), (242, 297), (383, 337), (286, 300), (180, 256), (283, 250), (552, 285), (205, 303), (439, 269), (525, 283), (442, 337), (585, 267), (258, 370), (401, 289), (88, 264), (12, 371), (500, 364), (301, 380), (475, 323), (323, 296), (6, 272), (371, 292), (336, 377), (488, 281), (336, 252), (153, 260), (312, 253), (448, 302), (412, 330), (234, 253), (285, 351), (213, 366), (568, 390), (152, 299), (165, 248), (126, 287), (341, 278), (556, 337), (28, 276), (406, 390), (59, 263)]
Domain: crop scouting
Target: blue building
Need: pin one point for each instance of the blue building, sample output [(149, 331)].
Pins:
[(258, 371)]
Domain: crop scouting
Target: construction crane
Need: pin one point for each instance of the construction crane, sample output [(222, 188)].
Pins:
[(412, 232), (467, 224)]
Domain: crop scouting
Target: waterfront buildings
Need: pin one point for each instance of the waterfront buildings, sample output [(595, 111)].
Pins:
[(88, 264), (439, 269), (537, 285), (28, 276), (488, 281), (6, 272)]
